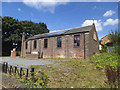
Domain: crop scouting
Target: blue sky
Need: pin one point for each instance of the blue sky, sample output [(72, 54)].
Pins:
[(65, 15)]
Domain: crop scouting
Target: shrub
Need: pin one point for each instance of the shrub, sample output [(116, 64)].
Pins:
[(108, 62)]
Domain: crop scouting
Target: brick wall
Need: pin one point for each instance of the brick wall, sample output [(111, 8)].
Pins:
[(67, 50), (93, 44)]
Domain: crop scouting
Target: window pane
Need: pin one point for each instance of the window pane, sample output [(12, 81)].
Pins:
[(59, 42), (77, 40), (26, 44), (45, 43), (35, 44)]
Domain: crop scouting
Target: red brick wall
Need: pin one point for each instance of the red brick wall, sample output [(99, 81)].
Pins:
[(93, 44), (67, 50)]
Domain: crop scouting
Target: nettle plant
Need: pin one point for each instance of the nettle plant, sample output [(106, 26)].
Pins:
[(37, 80), (112, 75), (109, 63)]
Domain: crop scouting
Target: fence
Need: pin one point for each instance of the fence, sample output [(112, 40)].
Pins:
[(16, 70)]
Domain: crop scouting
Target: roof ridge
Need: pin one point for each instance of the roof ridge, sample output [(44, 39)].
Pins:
[(79, 27), (65, 31)]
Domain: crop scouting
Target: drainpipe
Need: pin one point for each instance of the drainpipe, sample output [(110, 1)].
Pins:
[(84, 45)]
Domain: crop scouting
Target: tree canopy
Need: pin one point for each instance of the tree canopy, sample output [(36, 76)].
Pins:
[(12, 30), (115, 39)]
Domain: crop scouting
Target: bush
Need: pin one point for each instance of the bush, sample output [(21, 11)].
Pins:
[(103, 59), (108, 62)]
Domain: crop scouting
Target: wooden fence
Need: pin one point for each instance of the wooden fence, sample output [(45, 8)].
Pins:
[(16, 70)]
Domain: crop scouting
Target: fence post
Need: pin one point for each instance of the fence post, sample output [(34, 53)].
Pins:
[(20, 72), (3, 67), (32, 74), (6, 66), (27, 73), (10, 69), (32, 71), (15, 69)]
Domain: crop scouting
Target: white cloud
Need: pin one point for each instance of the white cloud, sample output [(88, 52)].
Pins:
[(65, 0), (49, 5), (111, 22), (44, 5), (109, 13), (97, 24), (19, 9)]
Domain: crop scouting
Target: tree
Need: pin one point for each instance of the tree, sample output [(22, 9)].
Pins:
[(115, 39), (12, 30)]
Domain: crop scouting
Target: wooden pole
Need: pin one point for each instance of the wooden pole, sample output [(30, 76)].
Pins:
[(21, 72)]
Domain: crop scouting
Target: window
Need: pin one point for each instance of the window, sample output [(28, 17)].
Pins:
[(45, 43), (59, 42), (26, 45), (35, 44), (77, 40)]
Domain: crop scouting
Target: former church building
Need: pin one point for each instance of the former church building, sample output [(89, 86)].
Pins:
[(81, 42)]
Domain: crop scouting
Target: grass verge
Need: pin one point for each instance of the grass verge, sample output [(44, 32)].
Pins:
[(77, 73)]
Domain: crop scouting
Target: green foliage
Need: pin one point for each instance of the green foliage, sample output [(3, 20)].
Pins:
[(108, 62), (113, 76), (38, 80), (114, 37), (103, 59), (12, 30), (104, 49)]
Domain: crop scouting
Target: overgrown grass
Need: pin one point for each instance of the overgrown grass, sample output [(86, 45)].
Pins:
[(38, 80), (77, 73), (62, 59), (108, 62), (35, 66), (103, 59)]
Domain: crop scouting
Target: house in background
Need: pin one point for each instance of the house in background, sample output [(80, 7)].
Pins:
[(81, 42), (106, 41)]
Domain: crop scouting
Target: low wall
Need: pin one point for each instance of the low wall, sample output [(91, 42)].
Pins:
[(32, 56)]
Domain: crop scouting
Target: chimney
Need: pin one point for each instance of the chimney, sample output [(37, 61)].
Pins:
[(22, 44)]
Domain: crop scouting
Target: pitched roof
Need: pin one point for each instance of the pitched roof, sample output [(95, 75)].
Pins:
[(63, 32)]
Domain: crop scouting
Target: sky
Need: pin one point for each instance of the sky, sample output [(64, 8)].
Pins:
[(65, 15)]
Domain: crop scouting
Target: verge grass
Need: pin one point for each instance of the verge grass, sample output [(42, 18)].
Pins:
[(77, 73)]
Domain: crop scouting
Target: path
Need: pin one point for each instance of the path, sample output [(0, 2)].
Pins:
[(23, 62)]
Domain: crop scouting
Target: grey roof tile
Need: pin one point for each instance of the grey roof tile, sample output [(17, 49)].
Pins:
[(63, 32)]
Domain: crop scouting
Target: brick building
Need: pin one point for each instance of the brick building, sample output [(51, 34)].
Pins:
[(105, 41), (79, 42)]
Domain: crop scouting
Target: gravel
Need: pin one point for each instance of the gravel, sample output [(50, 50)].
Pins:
[(23, 62)]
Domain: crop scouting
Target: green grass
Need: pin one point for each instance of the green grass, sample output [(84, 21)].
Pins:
[(103, 59), (77, 73), (35, 66)]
